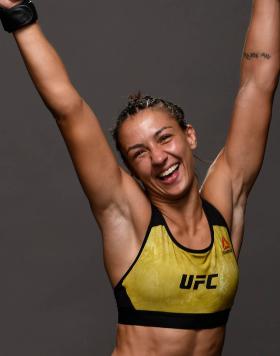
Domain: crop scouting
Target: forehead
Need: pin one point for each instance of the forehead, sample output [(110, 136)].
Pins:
[(145, 125)]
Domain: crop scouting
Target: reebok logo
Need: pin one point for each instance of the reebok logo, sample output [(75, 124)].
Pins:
[(226, 245)]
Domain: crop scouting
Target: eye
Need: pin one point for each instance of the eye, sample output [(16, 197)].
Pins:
[(139, 153), (165, 138)]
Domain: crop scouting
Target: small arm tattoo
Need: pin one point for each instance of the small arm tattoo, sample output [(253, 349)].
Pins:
[(256, 55)]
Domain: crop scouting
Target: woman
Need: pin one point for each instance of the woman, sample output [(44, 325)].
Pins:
[(170, 247)]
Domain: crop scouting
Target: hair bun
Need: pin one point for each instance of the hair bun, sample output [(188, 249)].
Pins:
[(135, 97)]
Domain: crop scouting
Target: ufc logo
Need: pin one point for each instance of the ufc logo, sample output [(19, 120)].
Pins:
[(193, 282)]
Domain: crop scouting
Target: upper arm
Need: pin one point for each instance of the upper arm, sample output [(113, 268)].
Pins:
[(247, 136), (103, 180), (245, 145), (232, 174)]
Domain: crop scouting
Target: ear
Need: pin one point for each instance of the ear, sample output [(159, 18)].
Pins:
[(191, 137)]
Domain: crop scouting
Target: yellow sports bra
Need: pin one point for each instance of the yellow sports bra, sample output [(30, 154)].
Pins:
[(170, 285)]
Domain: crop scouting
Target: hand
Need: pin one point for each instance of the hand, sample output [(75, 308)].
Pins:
[(7, 4)]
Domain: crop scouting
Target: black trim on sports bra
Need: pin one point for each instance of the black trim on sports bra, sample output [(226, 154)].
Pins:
[(173, 320), (209, 217), (214, 214)]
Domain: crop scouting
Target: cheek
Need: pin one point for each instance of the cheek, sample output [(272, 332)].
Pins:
[(182, 150), (142, 168), (179, 147)]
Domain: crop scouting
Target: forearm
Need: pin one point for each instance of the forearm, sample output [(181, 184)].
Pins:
[(260, 62), (46, 70)]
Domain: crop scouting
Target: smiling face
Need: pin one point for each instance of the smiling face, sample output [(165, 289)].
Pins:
[(159, 153)]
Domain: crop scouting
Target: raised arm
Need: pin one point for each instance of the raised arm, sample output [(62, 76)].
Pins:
[(235, 170), (102, 179), (245, 145)]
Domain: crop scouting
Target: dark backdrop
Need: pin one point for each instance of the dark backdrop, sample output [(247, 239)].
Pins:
[(55, 296)]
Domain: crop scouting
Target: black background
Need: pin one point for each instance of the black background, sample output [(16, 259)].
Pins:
[(55, 297)]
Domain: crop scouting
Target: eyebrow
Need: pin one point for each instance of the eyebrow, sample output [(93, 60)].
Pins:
[(157, 133)]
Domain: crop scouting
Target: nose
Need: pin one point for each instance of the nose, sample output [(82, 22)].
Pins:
[(158, 156)]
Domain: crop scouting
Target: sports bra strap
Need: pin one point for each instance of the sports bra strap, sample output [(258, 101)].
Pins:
[(213, 214), (157, 217)]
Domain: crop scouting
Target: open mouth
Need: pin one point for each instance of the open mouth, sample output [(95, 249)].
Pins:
[(169, 173)]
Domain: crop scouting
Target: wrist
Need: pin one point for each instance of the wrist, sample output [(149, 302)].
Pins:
[(18, 16)]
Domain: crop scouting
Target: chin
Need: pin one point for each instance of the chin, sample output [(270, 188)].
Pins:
[(172, 194), (178, 195), (183, 190)]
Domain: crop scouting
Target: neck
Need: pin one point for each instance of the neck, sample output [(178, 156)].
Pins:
[(187, 208)]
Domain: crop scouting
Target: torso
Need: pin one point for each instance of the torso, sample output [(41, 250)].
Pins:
[(144, 340)]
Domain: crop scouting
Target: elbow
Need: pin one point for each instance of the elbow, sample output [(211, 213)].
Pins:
[(264, 78), (267, 84), (64, 102)]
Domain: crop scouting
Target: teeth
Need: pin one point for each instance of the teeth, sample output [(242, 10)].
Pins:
[(170, 170)]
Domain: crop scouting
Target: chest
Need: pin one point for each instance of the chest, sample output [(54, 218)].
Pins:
[(169, 277)]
